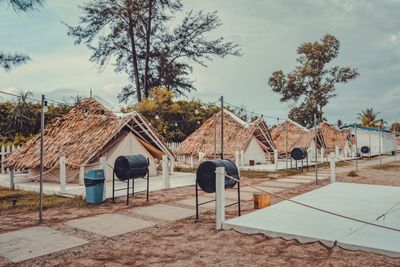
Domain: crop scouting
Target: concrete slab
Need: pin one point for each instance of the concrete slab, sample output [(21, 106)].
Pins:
[(192, 202), (165, 212), (253, 190), (296, 180), (365, 202), (110, 224), (33, 242), (278, 184)]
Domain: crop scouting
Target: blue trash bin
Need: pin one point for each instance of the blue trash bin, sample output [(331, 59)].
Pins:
[(94, 184)]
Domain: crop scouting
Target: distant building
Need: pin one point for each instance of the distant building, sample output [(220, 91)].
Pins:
[(377, 140)]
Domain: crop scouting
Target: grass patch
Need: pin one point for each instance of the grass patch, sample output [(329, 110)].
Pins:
[(352, 174), (29, 201), (387, 167)]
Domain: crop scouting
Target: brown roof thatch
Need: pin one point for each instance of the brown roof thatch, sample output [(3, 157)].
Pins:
[(297, 136), (332, 137), (82, 135), (237, 136)]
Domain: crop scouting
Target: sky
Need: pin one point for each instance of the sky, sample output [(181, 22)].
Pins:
[(268, 33)]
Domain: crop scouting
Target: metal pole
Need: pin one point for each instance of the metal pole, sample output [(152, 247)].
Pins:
[(215, 136), (380, 146), (41, 161), (395, 141), (356, 131), (286, 147), (316, 150), (222, 127), (369, 144)]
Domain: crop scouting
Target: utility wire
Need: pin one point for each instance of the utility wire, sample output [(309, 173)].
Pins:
[(36, 100)]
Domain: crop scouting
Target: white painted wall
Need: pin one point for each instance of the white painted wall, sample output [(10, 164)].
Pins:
[(372, 138), (254, 152), (129, 145)]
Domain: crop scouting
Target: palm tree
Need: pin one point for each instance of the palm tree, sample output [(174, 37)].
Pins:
[(368, 117)]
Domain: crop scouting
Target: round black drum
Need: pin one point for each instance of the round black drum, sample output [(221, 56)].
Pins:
[(298, 153), (131, 167), (206, 176)]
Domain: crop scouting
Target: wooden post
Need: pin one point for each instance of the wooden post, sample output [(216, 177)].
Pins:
[(103, 166), (220, 197), (241, 158), (165, 172), (276, 159), (191, 162), (82, 174), (63, 174), (12, 182), (333, 166)]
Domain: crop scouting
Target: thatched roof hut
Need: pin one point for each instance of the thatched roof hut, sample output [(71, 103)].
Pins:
[(238, 135), (85, 134), (297, 136), (331, 136)]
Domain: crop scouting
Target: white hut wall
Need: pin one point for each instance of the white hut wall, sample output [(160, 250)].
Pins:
[(255, 153), (128, 145)]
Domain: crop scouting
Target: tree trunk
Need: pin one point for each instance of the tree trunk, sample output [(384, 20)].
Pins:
[(146, 67), (131, 34)]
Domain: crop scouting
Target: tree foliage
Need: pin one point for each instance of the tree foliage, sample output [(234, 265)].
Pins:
[(312, 83), (20, 118), (139, 38), (369, 118), (173, 119), (10, 60)]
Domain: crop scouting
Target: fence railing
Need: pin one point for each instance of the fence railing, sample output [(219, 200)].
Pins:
[(4, 151)]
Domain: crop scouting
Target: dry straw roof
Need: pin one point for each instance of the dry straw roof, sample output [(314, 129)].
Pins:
[(237, 136), (332, 137), (82, 135), (297, 136)]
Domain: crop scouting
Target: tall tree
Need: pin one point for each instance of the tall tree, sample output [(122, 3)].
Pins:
[(139, 38), (312, 83), (10, 60), (369, 118)]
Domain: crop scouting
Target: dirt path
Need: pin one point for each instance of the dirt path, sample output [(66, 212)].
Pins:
[(186, 243)]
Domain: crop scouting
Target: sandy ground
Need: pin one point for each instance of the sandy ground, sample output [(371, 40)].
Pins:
[(186, 243)]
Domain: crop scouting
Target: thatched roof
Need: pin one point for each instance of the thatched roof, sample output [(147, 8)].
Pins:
[(297, 136), (82, 135), (332, 136), (237, 136)]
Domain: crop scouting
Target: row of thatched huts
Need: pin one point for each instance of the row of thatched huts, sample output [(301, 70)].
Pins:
[(90, 132)]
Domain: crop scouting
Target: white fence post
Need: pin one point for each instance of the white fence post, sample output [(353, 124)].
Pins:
[(3, 155), (220, 196), (337, 151), (172, 165), (12, 183), (276, 159), (237, 159), (241, 158), (63, 174), (103, 166), (81, 174), (165, 172), (322, 154), (332, 161), (191, 162)]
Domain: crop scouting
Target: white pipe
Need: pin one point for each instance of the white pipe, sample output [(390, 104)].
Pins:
[(63, 174), (220, 197)]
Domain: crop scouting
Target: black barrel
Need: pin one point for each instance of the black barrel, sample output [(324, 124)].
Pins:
[(206, 175), (365, 149), (131, 167), (298, 153)]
